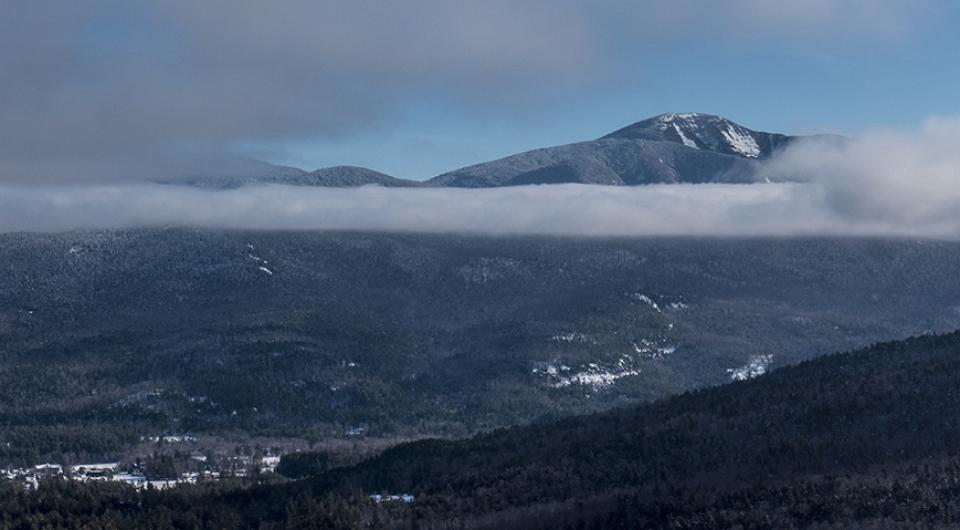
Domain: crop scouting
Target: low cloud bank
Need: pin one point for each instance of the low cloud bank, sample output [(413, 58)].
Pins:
[(888, 183), (908, 178), (583, 210)]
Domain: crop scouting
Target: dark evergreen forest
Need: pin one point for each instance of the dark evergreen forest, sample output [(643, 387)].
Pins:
[(865, 439)]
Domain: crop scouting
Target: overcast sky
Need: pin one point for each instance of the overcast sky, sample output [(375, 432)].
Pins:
[(112, 89)]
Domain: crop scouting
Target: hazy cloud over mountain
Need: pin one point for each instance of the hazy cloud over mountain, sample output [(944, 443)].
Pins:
[(774, 209), (894, 177), (107, 90)]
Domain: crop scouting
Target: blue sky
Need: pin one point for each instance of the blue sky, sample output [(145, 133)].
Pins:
[(119, 90), (846, 86)]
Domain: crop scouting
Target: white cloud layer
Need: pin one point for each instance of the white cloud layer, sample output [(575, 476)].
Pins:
[(581, 210), (894, 177)]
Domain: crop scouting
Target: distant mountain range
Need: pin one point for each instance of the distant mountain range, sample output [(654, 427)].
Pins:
[(669, 148), (330, 177)]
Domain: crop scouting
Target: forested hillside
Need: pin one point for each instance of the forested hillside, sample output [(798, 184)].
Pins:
[(865, 439), (109, 336)]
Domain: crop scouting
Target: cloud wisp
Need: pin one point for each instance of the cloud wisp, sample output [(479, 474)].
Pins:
[(900, 178)]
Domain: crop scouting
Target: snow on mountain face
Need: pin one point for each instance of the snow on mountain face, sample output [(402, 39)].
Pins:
[(664, 149), (741, 142), (709, 132), (686, 141)]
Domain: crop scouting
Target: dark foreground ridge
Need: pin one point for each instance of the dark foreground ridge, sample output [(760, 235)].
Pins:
[(866, 439)]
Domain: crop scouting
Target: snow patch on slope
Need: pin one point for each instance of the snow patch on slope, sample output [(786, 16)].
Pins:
[(640, 297), (597, 376), (261, 263), (573, 337), (683, 138), (594, 376), (649, 349), (756, 367), (741, 142)]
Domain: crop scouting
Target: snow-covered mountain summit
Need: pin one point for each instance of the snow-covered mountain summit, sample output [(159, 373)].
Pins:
[(664, 149), (669, 148), (704, 131)]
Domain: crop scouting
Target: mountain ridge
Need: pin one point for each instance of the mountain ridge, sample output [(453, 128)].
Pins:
[(330, 177), (664, 149), (670, 148), (705, 131)]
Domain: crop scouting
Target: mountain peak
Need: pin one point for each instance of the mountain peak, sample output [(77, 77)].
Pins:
[(675, 147), (704, 132), (670, 117)]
